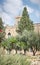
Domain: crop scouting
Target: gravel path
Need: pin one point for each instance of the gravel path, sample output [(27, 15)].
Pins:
[(37, 62)]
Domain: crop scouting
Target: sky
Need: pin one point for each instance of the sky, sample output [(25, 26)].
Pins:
[(10, 9)]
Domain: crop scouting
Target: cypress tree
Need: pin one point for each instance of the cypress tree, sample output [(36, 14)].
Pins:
[(25, 22)]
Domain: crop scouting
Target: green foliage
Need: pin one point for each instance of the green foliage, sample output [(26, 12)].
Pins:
[(9, 43), (1, 24), (29, 40), (25, 22), (2, 33), (23, 41), (34, 42)]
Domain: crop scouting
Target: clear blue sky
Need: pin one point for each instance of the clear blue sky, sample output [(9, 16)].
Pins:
[(9, 9)]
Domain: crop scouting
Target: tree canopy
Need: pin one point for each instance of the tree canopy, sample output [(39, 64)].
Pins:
[(2, 33), (25, 22)]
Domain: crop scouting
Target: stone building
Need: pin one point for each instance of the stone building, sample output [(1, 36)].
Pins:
[(11, 30), (37, 27)]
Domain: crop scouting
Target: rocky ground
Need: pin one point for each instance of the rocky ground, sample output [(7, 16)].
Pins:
[(36, 61)]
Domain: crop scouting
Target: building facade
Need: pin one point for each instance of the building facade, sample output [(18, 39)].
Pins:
[(11, 30)]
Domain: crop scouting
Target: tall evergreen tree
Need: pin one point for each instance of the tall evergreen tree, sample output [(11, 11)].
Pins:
[(2, 33), (25, 22)]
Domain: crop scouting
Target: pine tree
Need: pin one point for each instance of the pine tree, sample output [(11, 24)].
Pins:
[(2, 33), (25, 22)]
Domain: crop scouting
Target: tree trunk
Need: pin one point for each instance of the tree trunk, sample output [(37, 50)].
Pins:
[(33, 53), (16, 51)]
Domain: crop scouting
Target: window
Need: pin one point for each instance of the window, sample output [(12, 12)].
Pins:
[(9, 34)]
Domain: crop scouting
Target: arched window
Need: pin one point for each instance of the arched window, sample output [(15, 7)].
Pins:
[(9, 34)]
